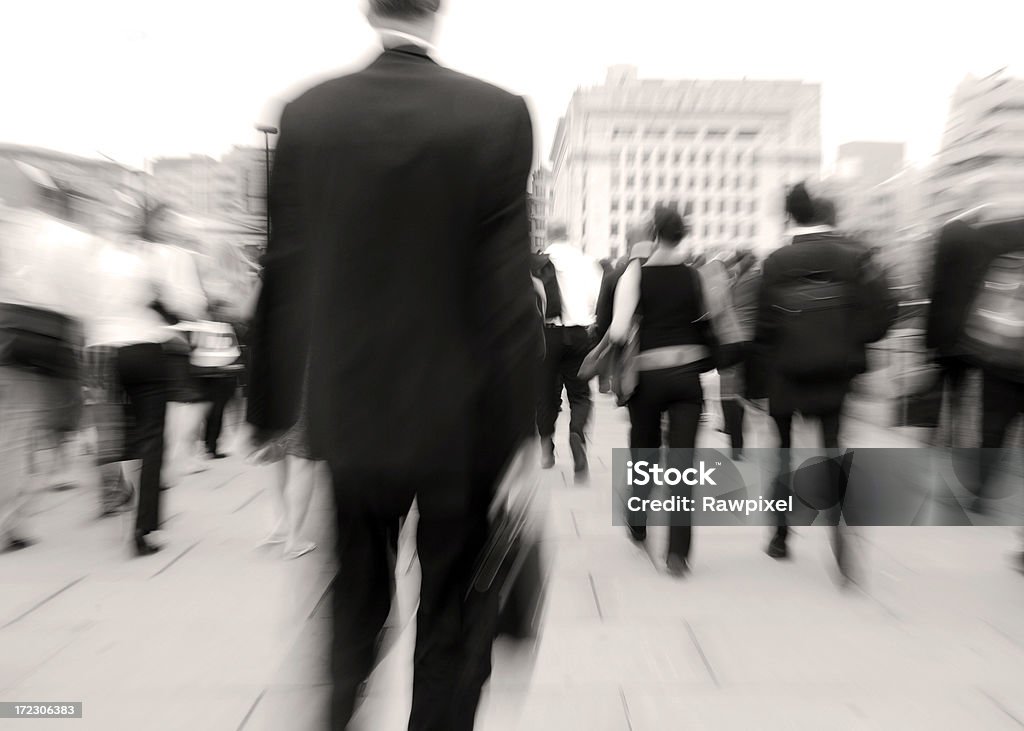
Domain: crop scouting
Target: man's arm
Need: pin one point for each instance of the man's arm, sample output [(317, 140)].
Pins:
[(279, 330), (508, 323)]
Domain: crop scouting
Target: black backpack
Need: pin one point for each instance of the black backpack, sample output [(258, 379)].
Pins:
[(544, 270), (816, 313)]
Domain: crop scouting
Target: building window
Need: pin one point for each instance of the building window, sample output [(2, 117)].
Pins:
[(753, 229), (707, 206), (646, 181), (662, 157), (722, 182), (692, 184), (707, 230), (677, 158), (661, 181), (630, 205), (693, 158), (677, 182), (753, 182), (615, 229), (739, 182), (739, 158), (630, 181), (736, 231), (616, 180), (753, 205), (619, 133), (707, 182), (647, 204), (615, 205), (738, 208), (721, 229), (723, 158), (721, 206), (707, 158), (631, 157), (647, 156), (657, 133)]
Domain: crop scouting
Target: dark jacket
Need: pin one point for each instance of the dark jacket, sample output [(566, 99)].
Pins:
[(963, 253), (399, 260), (842, 260)]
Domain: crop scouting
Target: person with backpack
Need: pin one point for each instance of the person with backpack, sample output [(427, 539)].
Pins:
[(821, 302), (988, 329), (572, 283)]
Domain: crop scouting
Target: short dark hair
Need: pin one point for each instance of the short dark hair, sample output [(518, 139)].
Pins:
[(404, 9), (800, 205), (669, 227)]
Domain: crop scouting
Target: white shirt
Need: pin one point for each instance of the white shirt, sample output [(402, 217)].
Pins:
[(579, 283), (129, 279)]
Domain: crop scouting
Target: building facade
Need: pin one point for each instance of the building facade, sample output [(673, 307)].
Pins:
[(539, 198), (233, 187), (726, 148), (982, 155)]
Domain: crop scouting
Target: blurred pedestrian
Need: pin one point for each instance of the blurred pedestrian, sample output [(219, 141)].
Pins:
[(746, 279), (675, 347), (44, 293), (815, 316), (572, 282), (140, 292), (412, 303)]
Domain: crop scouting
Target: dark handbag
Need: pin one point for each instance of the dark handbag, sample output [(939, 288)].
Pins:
[(510, 565), (42, 340)]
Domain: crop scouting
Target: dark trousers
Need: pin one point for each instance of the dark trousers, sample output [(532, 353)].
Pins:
[(452, 659), (1002, 401), (733, 413), (566, 349), (218, 391), (145, 376), (830, 424), (676, 392)]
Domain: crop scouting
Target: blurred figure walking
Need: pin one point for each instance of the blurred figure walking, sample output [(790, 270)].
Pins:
[(818, 308), (139, 294), (572, 282), (398, 267), (746, 280), (44, 293)]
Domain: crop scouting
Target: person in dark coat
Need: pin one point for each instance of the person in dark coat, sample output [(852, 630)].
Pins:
[(399, 260), (793, 383)]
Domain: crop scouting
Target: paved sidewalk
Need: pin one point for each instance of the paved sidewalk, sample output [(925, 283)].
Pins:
[(215, 634)]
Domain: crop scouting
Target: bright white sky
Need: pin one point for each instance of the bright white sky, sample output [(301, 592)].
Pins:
[(138, 79)]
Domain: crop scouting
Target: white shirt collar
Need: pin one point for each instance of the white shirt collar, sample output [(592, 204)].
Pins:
[(804, 230), (402, 35)]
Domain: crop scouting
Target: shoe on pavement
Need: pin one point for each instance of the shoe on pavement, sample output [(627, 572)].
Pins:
[(579, 454), (299, 550), (18, 543), (547, 453), (777, 548), (677, 566), (638, 533)]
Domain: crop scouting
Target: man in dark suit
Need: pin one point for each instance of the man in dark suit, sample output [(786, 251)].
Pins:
[(400, 257)]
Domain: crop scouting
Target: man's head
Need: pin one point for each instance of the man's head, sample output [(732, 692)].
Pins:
[(800, 206), (415, 17), (826, 211)]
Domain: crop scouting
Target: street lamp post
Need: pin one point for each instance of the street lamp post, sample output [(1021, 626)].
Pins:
[(267, 130)]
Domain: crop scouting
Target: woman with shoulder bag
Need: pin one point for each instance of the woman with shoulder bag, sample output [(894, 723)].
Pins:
[(130, 328), (676, 344)]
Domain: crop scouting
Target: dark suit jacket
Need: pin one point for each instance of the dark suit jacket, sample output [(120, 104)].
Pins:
[(400, 258)]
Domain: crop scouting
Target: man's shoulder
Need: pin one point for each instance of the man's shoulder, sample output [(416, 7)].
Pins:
[(433, 76)]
